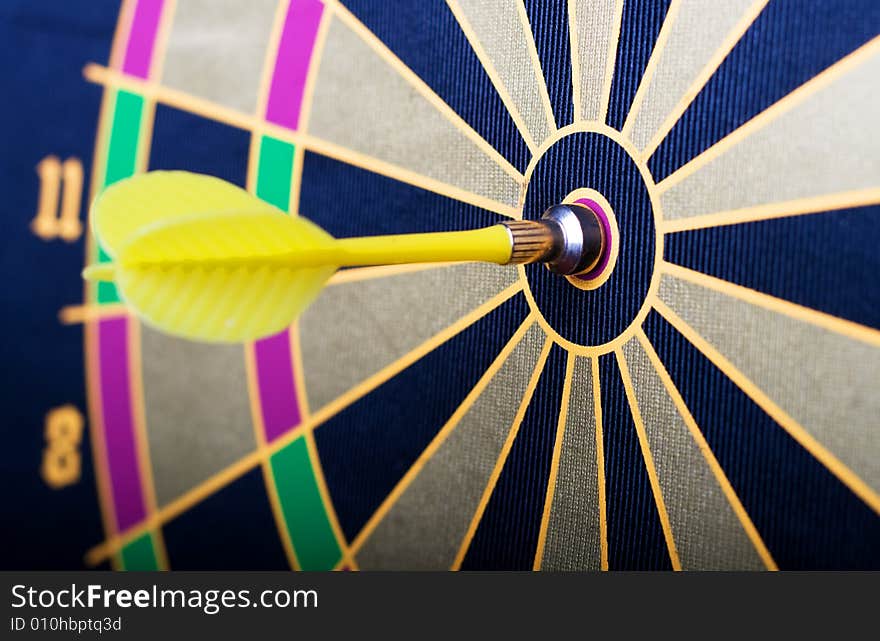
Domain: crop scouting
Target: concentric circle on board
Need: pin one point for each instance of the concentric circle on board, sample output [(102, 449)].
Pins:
[(596, 314), (599, 273)]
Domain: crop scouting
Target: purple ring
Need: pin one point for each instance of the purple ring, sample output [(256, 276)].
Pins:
[(606, 230)]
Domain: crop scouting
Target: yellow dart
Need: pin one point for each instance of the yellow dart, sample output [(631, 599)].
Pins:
[(197, 257)]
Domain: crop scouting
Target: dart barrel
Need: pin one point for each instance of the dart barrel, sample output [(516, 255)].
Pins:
[(568, 239)]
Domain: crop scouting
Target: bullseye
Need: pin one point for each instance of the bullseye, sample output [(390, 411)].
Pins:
[(594, 311)]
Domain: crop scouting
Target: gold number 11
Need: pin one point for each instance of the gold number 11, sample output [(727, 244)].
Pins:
[(48, 224)]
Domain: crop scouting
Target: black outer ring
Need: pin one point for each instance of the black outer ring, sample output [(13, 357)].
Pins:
[(593, 160)]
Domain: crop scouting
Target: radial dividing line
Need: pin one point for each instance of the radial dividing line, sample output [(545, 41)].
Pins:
[(175, 508), (502, 457), (819, 319), (352, 22), (358, 274), (600, 465), (554, 463), (703, 77), (649, 459), (492, 72), (720, 477), (396, 172), (253, 162), (766, 117), (257, 126), (575, 60), (610, 62), (98, 74), (536, 64), (76, 314), (346, 563), (785, 421), (245, 464), (784, 209), (389, 371), (447, 429), (651, 67)]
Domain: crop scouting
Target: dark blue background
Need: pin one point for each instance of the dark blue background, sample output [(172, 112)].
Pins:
[(46, 108)]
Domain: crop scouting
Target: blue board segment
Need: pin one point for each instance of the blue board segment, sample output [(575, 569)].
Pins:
[(348, 201), (816, 260), (639, 27), (788, 44), (182, 140), (428, 39), (369, 446), (807, 518), (549, 22), (635, 536), (231, 530), (507, 536)]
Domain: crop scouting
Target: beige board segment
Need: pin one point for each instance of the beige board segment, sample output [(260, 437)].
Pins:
[(355, 329), (595, 24), (363, 104), (825, 381), (217, 48), (197, 409), (573, 531), (503, 36), (696, 32), (425, 527), (827, 143), (708, 534)]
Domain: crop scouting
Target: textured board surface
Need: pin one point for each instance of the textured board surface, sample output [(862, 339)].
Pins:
[(710, 405)]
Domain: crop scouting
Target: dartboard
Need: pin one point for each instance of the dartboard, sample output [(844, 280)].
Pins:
[(705, 398)]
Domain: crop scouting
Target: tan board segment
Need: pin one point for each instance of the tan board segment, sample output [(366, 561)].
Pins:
[(498, 32), (425, 527), (707, 532), (217, 48), (696, 32), (197, 410), (822, 139), (826, 381), (363, 104), (574, 533), (596, 45)]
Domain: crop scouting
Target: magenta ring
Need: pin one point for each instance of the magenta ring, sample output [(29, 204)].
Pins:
[(606, 230)]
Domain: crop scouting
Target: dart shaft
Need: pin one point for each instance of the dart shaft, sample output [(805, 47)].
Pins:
[(568, 239), (491, 244)]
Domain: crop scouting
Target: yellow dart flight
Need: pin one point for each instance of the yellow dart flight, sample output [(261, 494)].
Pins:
[(200, 258)]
